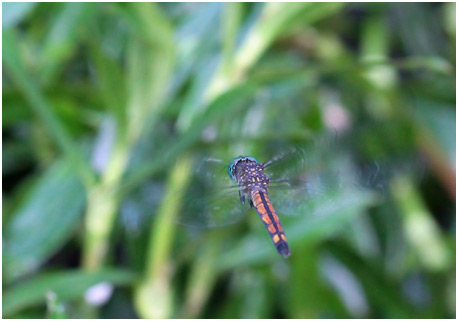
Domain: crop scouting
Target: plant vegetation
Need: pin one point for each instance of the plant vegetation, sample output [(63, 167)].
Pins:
[(106, 103)]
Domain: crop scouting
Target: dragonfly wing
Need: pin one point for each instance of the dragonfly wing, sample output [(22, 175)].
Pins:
[(211, 207), (318, 185), (210, 200), (305, 202), (330, 183), (295, 161)]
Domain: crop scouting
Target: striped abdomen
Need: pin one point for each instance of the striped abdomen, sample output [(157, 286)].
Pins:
[(267, 214)]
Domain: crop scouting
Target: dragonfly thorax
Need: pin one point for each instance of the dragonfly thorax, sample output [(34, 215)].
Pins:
[(249, 174)]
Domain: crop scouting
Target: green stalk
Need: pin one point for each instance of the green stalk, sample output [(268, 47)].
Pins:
[(154, 296), (102, 206), (202, 276), (381, 77), (423, 234), (150, 61)]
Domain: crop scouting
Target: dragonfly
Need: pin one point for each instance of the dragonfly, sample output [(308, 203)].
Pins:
[(249, 175), (295, 183)]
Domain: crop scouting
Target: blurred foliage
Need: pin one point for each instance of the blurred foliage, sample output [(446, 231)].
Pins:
[(100, 100)]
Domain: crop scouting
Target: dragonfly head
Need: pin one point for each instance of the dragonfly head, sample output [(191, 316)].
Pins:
[(232, 166)]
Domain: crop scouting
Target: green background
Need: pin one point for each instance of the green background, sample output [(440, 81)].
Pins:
[(99, 100)]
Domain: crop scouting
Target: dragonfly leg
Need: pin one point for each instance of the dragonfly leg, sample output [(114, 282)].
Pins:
[(251, 203), (242, 196)]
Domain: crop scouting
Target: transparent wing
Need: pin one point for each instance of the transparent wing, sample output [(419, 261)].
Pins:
[(210, 200), (293, 162), (320, 180), (309, 180), (314, 193)]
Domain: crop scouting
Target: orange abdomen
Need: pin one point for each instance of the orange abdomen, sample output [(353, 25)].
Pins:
[(267, 214)]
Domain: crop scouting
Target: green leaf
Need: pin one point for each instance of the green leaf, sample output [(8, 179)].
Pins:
[(14, 13), (111, 82), (69, 285), (380, 289), (55, 308), (307, 289), (44, 222), (62, 38), (17, 110), (150, 62), (439, 119), (28, 85), (232, 15)]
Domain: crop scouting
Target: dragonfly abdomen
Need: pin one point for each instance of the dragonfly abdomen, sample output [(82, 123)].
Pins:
[(270, 219)]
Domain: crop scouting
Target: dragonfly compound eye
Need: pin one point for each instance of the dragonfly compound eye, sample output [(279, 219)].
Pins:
[(231, 167)]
